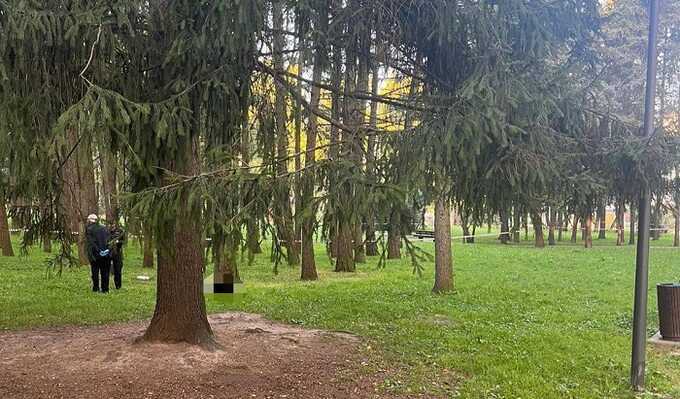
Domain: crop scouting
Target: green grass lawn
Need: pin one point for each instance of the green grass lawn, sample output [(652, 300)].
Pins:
[(525, 322)]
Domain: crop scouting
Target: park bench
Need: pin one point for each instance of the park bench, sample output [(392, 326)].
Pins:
[(420, 234)]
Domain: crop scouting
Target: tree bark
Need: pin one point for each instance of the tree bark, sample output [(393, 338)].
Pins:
[(551, 226), (308, 270), (344, 248), (574, 229), (620, 224), (443, 277), (394, 235), (539, 241), (180, 313), (5, 237), (147, 243), (371, 244), (79, 190), (676, 237), (602, 216), (516, 225), (588, 239), (283, 213), (505, 227), (109, 183), (631, 239), (560, 225)]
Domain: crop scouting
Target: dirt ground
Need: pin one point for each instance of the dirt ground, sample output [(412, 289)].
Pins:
[(260, 359)]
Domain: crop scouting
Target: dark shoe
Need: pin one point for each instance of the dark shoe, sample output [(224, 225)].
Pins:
[(95, 289), (105, 292)]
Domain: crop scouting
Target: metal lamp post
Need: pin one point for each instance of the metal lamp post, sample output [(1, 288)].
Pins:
[(637, 370)]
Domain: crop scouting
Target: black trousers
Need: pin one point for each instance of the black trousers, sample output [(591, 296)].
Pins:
[(101, 267), (117, 263)]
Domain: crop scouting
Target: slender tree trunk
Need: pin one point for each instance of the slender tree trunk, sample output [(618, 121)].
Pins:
[(631, 239), (602, 233), (620, 224), (180, 313), (443, 277), (574, 229), (359, 247), (539, 241), (657, 219), (109, 184), (505, 227), (308, 270), (147, 244), (334, 150), (5, 238), (371, 244), (526, 226), (516, 225), (283, 213), (358, 122), (676, 237), (551, 226), (252, 227), (560, 225), (298, 146), (588, 240)]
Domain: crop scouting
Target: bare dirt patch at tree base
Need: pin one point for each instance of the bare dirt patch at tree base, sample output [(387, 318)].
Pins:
[(259, 359)]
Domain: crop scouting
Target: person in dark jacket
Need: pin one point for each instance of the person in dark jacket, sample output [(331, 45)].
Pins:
[(116, 241), (98, 253)]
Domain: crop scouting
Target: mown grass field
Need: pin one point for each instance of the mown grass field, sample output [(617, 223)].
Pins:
[(524, 323)]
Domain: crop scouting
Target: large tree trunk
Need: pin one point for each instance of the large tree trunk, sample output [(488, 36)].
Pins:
[(180, 313), (539, 241), (443, 264), (602, 216), (79, 190), (5, 238), (588, 238), (551, 226), (283, 213), (345, 248)]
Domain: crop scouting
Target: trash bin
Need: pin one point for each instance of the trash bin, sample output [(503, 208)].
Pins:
[(668, 296)]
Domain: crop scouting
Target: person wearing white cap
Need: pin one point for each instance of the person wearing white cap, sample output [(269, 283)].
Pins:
[(98, 253)]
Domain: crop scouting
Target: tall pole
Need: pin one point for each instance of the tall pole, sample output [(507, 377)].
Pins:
[(637, 370)]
